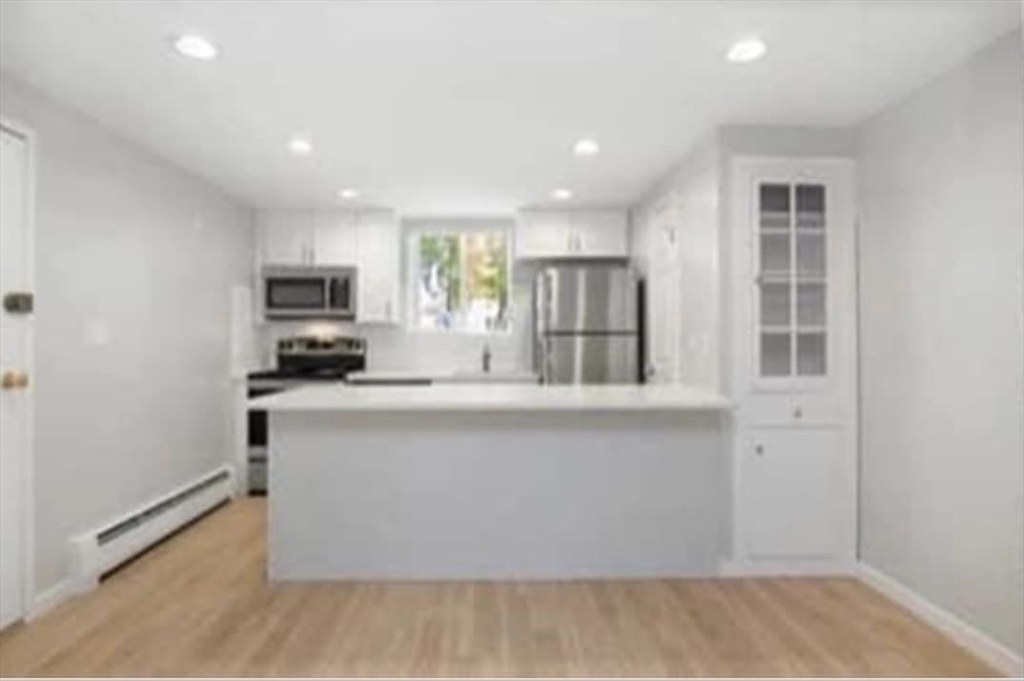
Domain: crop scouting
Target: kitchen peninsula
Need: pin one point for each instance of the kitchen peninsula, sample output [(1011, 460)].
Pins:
[(496, 481)]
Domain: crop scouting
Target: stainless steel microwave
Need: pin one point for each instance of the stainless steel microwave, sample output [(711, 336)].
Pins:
[(309, 292)]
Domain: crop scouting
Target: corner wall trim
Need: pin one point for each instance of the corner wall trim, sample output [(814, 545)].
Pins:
[(51, 598), (982, 645)]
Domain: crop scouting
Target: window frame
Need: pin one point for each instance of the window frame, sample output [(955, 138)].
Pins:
[(412, 230)]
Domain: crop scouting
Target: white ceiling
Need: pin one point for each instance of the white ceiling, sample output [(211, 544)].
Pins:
[(471, 107)]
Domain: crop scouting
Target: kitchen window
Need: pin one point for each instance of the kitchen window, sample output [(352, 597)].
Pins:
[(459, 278)]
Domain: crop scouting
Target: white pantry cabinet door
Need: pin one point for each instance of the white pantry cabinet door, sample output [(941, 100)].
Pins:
[(792, 494), (600, 234), (286, 237), (335, 238), (379, 287), (543, 234)]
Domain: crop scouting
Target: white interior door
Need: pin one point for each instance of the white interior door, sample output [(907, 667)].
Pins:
[(14, 393)]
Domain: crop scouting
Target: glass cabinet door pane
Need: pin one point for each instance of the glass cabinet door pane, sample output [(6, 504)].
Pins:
[(810, 304), (775, 251), (775, 304), (810, 354), (774, 207), (810, 254), (775, 354), (810, 206), (775, 198)]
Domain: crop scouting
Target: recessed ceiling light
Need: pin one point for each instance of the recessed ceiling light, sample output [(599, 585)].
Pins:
[(300, 146), (562, 194), (196, 47), (745, 51), (348, 193), (586, 147)]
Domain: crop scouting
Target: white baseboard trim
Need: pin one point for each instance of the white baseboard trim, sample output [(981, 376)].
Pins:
[(992, 652), (783, 568), (147, 525), (51, 598)]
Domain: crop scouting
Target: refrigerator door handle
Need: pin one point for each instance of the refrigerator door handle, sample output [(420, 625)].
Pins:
[(546, 368)]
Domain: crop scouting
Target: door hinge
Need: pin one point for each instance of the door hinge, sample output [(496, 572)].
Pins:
[(18, 302)]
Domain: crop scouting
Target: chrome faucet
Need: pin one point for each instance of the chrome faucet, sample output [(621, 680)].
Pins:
[(485, 358)]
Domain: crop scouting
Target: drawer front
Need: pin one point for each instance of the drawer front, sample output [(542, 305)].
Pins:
[(795, 410), (257, 474)]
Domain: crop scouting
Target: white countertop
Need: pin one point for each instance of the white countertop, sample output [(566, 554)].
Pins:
[(458, 397), (458, 376)]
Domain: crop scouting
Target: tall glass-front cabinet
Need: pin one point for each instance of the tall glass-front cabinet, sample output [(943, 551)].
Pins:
[(794, 364)]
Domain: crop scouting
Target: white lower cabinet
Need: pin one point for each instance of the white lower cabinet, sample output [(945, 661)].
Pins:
[(793, 494)]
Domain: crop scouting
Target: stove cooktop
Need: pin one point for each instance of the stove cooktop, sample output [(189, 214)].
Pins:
[(324, 376)]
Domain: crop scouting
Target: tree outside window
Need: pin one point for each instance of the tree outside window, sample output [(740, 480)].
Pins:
[(462, 281)]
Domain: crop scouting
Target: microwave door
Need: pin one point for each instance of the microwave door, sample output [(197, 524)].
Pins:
[(295, 296), (342, 296)]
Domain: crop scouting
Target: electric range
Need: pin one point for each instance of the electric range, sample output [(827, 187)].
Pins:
[(301, 360)]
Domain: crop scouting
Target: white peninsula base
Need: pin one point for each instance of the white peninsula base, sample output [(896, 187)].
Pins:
[(495, 493)]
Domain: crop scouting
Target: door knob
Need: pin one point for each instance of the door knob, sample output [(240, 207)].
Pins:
[(13, 380)]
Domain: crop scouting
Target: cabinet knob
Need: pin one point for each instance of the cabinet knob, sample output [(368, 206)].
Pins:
[(759, 450), (798, 412)]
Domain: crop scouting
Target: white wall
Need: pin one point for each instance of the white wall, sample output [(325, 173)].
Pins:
[(942, 337), (134, 264), (675, 243)]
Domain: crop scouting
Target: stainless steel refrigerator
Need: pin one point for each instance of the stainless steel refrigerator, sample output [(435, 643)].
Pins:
[(588, 325)]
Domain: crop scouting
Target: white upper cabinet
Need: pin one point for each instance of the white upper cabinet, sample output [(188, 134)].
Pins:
[(286, 237), (335, 238), (367, 240), (307, 238), (379, 287), (800, 276), (542, 234), (601, 234), (572, 234)]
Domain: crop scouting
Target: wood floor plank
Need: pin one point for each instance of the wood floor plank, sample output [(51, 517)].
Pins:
[(199, 605)]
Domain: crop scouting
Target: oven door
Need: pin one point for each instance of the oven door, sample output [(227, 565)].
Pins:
[(256, 457), (295, 295)]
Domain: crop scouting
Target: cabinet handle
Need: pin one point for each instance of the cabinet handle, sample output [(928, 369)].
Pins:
[(798, 412), (759, 450)]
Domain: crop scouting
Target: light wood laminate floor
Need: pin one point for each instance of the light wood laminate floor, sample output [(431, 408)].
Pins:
[(199, 605)]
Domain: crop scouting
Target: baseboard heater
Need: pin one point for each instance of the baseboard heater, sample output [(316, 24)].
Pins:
[(102, 549)]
